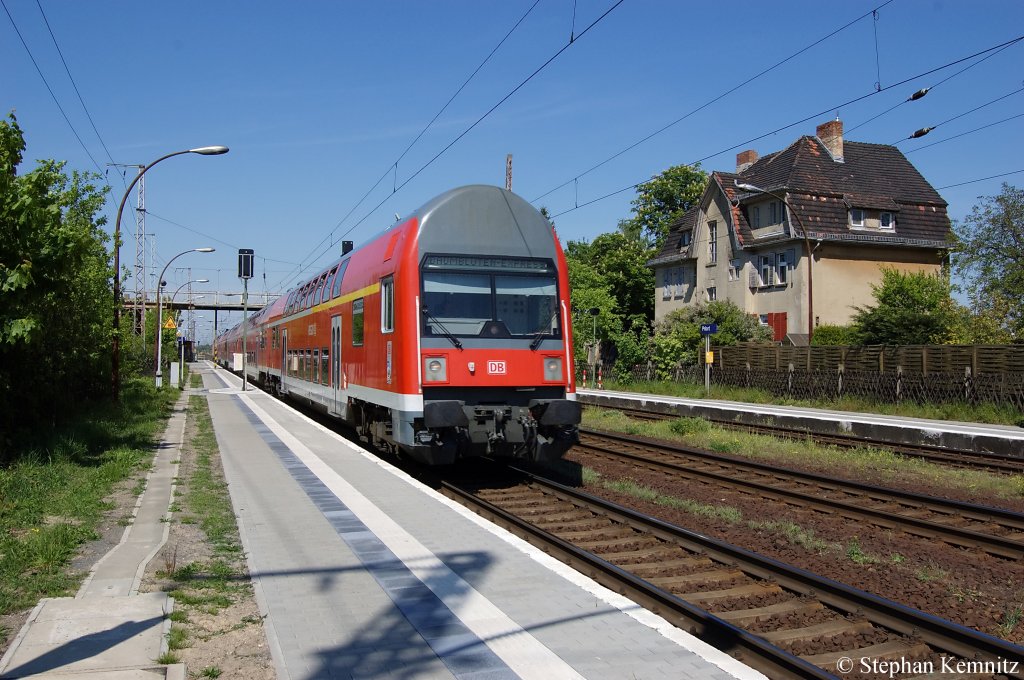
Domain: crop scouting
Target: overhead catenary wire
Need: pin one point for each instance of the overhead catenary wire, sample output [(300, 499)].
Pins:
[(802, 120), (980, 179), (394, 166), (959, 115), (977, 129), (928, 89), (50, 89), (464, 133), (711, 101)]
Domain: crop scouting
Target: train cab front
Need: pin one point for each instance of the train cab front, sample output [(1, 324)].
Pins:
[(495, 366)]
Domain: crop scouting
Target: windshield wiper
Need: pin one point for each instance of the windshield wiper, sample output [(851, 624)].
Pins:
[(444, 331), (544, 330)]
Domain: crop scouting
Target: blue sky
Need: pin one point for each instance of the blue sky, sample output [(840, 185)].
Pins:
[(317, 100)]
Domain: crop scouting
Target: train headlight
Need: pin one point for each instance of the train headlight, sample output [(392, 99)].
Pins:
[(435, 369), (553, 369)]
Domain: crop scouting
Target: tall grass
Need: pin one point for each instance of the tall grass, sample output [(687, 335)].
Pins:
[(52, 489)]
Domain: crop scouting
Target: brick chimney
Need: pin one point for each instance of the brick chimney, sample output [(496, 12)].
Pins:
[(744, 159), (831, 135)]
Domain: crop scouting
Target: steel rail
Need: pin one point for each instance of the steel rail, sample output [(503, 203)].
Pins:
[(940, 634), (967, 538), (964, 459)]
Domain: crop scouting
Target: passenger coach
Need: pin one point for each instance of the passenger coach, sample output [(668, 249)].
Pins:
[(445, 336)]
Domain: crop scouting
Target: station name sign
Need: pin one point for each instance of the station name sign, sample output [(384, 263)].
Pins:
[(481, 263)]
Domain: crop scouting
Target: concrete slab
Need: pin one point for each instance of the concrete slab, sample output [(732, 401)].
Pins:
[(94, 634)]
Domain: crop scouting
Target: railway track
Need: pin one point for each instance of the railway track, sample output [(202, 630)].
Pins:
[(786, 622), (995, 531), (973, 460)]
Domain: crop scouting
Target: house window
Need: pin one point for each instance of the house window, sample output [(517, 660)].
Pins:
[(755, 216), (734, 269), (685, 238), (712, 294), (767, 270), (666, 281), (781, 268), (856, 217), (887, 220), (763, 319), (712, 242), (778, 212)]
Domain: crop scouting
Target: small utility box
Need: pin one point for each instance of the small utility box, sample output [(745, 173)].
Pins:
[(175, 377)]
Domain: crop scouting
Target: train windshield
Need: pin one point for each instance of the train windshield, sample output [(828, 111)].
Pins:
[(475, 304)]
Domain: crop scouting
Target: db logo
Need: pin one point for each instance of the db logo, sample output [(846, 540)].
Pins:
[(496, 368)]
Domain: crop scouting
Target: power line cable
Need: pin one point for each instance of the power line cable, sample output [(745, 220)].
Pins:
[(394, 165), (804, 120), (974, 181), (465, 132), (73, 83), (212, 238), (948, 139), (712, 101), (929, 89), (48, 88), (923, 131)]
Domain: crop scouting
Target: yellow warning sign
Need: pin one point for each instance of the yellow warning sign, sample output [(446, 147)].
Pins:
[(170, 323)]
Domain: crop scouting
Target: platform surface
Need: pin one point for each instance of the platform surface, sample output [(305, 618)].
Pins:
[(363, 572)]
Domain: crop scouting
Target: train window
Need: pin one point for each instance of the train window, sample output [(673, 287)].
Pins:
[(460, 302), (357, 322), (307, 374), (336, 288), (316, 365), (527, 304), (471, 304), (320, 290), (324, 363), (387, 305)]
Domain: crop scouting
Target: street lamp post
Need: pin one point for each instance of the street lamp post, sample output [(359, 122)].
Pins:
[(115, 359), (743, 186), (160, 308)]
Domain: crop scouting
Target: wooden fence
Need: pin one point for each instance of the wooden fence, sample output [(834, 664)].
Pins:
[(920, 373)]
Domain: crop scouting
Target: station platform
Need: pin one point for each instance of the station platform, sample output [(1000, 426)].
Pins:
[(362, 572), (999, 439)]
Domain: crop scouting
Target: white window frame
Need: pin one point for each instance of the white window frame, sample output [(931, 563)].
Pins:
[(881, 221), (685, 238), (767, 270), (666, 279), (781, 269), (735, 267), (712, 242), (712, 293), (863, 216)]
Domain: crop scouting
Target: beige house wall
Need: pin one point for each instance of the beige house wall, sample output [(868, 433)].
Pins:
[(843, 273), (843, 277)]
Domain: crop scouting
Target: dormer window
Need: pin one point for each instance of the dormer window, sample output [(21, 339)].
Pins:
[(755, 217), (685, 238), (856, 217), (887, 220)]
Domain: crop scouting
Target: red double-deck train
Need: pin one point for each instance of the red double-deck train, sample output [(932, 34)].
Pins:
[(445, 336)]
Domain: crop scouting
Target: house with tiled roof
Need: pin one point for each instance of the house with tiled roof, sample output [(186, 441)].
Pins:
[(798, 237)]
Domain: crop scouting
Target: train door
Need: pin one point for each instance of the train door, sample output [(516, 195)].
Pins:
[(284, 360), (336, 386)]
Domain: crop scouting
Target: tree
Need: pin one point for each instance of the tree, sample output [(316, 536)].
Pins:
[(663, 200), (913, 308), (990, 257), (55, 294), (677, 338)]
